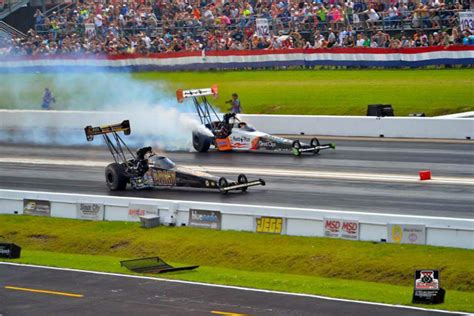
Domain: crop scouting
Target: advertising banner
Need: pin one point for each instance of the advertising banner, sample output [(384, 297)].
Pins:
[(427, 287), (137, 210), (36, 207), (466, 20), (91, 211), (271, 225), (406, 234), (205, 219), (341, 228)]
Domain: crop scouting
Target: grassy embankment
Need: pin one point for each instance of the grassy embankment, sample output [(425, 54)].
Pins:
[(338, 268), (321, 92)]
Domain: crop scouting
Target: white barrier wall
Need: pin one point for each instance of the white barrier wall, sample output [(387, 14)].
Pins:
[(440, 231), (409, 127)]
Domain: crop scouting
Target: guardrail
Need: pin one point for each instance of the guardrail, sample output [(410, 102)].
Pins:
[(363, 126), (436, 231)]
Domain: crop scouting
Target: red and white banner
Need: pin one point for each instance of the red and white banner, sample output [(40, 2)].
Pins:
[(341, 228), (350, 57)]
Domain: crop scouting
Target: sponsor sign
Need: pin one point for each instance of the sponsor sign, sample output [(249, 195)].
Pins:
[(205, 219), (406, 234), (271, 225), (262, 27), (426, 280), (91, 211), (36, 207), (427, 287), (466, 20), (137, 210), (341, 228)]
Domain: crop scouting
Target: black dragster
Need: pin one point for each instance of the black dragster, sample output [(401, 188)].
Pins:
[(145, 169)]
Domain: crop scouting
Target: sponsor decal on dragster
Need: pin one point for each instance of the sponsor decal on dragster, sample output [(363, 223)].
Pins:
[(271, 142), (164, 177), (223, 143), (240, 141)]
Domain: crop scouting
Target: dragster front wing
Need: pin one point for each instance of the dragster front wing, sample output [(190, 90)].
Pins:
[(237, 186), (317, 148)]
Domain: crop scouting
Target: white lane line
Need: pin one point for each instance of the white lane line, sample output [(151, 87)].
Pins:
[(236, 288), (372, 177)]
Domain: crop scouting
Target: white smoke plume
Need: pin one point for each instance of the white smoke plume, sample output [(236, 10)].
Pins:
[(156, 117)]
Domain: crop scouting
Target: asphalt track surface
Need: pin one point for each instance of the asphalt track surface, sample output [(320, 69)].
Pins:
[(376, 157), (79, 293)]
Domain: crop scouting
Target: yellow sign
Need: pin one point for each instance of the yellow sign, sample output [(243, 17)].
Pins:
[(397, 234), (272, 225)]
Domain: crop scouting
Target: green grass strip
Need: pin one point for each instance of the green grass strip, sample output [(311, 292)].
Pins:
[(331, 287), (357, 270), (317, 92)]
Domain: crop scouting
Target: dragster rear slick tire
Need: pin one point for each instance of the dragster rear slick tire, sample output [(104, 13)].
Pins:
[(115, 177), (201, 142), (222, 184), (242, 179)]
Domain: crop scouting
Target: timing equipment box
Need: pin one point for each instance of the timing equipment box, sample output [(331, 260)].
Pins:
[(380, 110), (9, 251)]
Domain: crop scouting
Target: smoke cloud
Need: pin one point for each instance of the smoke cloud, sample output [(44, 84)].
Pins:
[(156, 117)]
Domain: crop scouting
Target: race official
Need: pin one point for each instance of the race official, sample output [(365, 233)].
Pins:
[(48, 98), (235, 104)]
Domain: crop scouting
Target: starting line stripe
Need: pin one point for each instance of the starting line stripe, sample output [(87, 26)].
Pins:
[(235, 288), (43, 291)]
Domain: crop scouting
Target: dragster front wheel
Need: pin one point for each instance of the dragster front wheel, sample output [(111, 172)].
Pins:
[(222, 184), (296, 146), (115, 177), (315, 143), (242, 179)]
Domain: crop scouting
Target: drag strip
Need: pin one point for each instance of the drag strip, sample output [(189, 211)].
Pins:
[(364, 176), (277, 172), (107, 294)]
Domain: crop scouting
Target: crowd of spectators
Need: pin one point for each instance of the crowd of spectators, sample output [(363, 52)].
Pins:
[(157, 26)]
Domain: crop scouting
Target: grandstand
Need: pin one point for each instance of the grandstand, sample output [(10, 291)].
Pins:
[(120, 27)]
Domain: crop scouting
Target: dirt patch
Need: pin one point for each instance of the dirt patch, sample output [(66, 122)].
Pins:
[(120, 244), (41, 237)]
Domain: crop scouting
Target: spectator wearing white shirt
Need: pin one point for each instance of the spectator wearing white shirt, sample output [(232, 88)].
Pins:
[(373, 17), (392, 17), (360, 41)]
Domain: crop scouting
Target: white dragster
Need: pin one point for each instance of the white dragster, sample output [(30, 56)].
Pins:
[(230, 133)]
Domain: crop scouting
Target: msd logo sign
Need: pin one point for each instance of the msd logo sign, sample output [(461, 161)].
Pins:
[(341, 228)]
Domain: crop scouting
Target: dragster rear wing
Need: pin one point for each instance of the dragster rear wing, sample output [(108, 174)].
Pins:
[(106, 129), (184, 94)]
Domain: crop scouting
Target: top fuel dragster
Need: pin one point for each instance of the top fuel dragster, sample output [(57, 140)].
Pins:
[(230, 133), (145, 169)]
